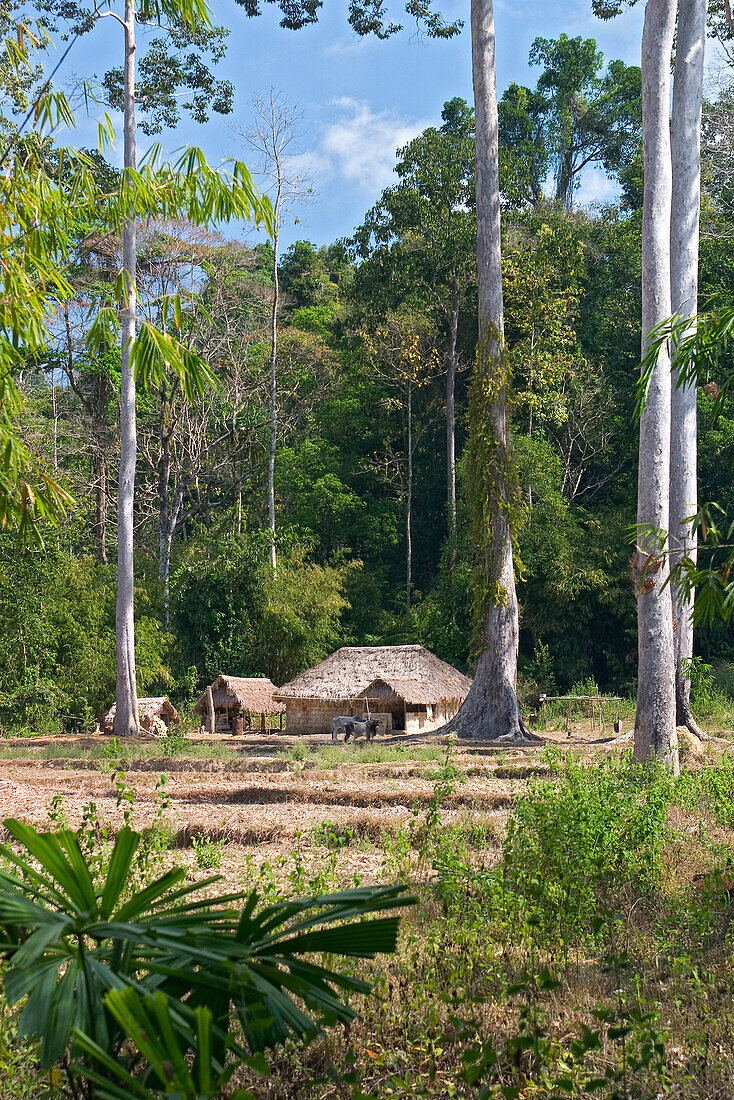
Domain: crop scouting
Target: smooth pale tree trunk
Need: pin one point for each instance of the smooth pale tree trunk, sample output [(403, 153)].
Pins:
[(210, 710), (127, 720), (167, 514), (409, 503), (164, 476), (100, 488), (490, 710), (274, 378), (164, 551), (451, 422), (655, 733), (684, 232)]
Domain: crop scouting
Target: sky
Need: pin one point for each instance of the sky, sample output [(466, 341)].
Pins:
[(359, 99)]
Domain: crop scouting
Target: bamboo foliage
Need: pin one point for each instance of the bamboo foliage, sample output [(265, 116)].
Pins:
[(48, 204)]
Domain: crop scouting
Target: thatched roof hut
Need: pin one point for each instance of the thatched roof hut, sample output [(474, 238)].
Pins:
[(236, 696), (407, 684), (156, 707)]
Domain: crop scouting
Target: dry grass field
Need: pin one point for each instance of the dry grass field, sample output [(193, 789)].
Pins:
[(585, 951), (264, 793)]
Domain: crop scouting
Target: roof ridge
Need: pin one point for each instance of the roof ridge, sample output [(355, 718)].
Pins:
[(401, 645)]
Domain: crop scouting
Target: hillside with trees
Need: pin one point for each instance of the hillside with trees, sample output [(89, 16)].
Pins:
[(366, 634), (376, 342)]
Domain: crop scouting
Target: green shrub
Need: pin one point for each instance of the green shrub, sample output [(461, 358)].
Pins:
[(709, 790), (20, 1077), (208, 853), (174, 742), (298, 752), (90, 964), (578, 838), (329, 834)]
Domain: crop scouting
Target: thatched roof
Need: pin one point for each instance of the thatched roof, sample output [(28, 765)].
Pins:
[(253, 694), (154, 707), (407, 672)]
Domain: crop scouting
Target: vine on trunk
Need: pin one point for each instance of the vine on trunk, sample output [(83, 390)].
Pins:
[(493, 489)]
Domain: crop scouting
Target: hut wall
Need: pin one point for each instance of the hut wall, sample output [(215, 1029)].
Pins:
[(384, 718), (310, 716), (222, 720), (415, 720), (443, 712)]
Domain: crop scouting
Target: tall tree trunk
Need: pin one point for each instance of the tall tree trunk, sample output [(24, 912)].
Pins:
[(686, 202), (164, 474), (274, 381), (564, 181), (490, 710), (165, 562), (655, 733), (127, 720), (100, 488), (165, 526), (409, 505), (451, 422), (408, 509)]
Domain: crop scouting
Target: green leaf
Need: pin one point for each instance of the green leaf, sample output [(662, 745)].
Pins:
[(126, 845)]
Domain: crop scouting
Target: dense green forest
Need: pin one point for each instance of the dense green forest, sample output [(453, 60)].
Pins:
[(375, 335)]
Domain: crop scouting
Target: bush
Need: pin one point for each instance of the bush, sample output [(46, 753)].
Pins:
[(709, 790), (330, 834), (575, 840), (208, 853), (174, 741), (168, 969)]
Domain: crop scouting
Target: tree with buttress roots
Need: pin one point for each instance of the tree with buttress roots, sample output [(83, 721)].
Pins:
[(490, 710), (667, 478)]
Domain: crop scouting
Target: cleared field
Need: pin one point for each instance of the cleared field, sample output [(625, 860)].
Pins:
[(269, 791), (606, 913)]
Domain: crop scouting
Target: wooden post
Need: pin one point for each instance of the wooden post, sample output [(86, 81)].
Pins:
[(210, 709), (262, 723)]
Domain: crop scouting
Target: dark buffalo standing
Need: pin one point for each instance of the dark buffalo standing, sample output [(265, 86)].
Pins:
[(359, 727), (367, 728)]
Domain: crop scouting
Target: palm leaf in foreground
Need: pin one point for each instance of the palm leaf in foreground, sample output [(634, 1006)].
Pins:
[(75, 946)]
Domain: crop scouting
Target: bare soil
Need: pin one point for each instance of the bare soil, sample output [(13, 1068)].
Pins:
[(262, 802)]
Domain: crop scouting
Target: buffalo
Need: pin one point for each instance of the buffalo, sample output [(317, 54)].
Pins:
[(359, 727)]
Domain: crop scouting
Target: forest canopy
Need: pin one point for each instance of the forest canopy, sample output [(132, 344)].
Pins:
[(376, 339)]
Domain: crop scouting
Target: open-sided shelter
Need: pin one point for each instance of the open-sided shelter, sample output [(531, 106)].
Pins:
[(238, 700), (405, 685), (154, 712)]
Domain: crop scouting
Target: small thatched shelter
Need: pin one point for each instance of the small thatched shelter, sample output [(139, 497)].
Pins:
[(154, 713), (236, 699), (405, 685)]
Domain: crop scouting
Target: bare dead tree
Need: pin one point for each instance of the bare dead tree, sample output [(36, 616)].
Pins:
[(273, 135)]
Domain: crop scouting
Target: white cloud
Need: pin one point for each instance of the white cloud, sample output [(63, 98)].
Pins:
[(359, 145), (345, 48), (595, 187)]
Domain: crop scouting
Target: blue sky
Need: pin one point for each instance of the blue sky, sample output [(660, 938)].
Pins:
[(360, 98)]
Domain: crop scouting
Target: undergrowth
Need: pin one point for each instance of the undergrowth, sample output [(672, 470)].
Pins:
[(578, 955), (582, 950)]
